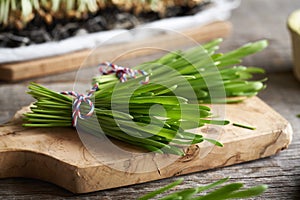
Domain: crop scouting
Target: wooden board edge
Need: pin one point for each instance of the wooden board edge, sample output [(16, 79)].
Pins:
[(182, 166), (272, 146), (38, 166), (6, 73), (84, 180)]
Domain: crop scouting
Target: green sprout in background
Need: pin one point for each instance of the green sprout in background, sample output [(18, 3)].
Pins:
[(19, 12)]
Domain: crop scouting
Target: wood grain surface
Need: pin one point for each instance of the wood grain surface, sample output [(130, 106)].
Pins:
[(59, 156), (253, 20), (72, 61)]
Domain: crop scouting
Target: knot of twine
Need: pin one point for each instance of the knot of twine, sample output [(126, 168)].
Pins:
[(79, 98), (107, 68)]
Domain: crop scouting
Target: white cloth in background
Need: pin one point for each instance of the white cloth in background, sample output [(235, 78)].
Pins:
[(220, 10)]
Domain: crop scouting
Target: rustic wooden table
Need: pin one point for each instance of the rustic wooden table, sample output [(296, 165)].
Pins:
[(253, 20)]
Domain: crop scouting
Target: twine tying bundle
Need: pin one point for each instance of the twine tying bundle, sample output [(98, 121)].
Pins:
[(121, 73), (107, 68), (79, 98)]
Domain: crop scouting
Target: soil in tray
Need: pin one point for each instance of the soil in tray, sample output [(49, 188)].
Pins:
[(39, 31)]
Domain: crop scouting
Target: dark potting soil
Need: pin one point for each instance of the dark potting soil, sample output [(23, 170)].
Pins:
[(38, 31)]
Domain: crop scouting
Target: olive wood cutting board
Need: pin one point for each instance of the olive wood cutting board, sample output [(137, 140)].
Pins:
[(17, 71), (57, 155)]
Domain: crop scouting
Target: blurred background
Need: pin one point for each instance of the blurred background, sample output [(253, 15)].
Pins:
[(252, 20)]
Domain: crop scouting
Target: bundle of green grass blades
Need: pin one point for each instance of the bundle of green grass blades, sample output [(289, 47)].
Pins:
[(157, 116)]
